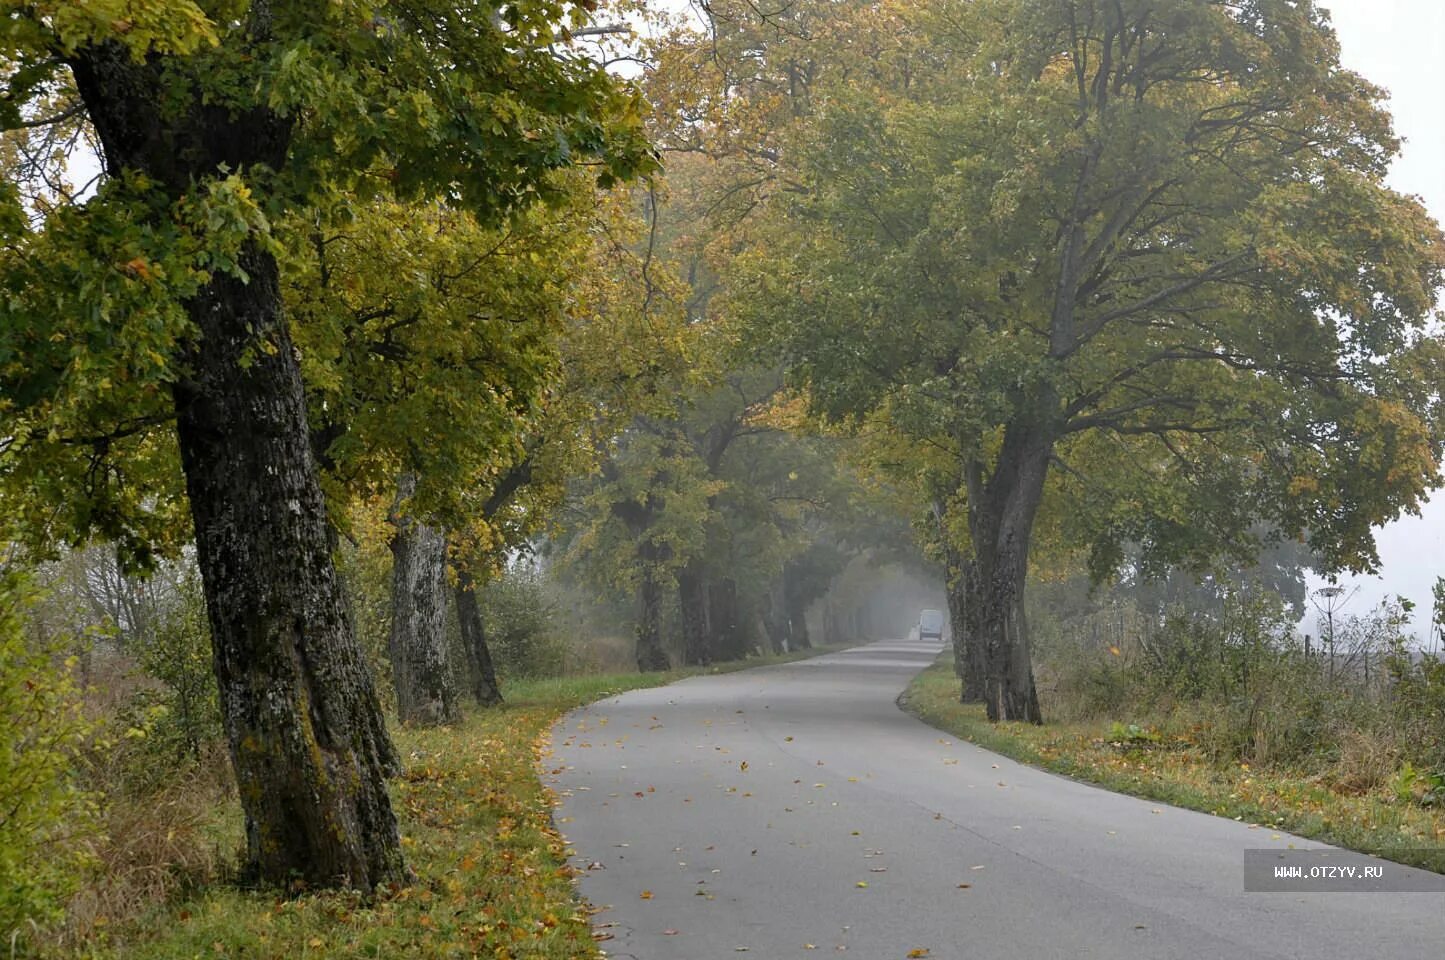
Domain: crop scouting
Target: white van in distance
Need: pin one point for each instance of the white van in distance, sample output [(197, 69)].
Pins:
[(930, 625)]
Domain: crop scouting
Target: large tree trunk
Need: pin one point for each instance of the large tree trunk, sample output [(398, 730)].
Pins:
[(301, 716), (1001, 524), (302, 719), (970, 658), (775, 620), (692, 593), (650, 653), (798, 634), (480, 671), (729, 637), (421, 667), (995, 605)]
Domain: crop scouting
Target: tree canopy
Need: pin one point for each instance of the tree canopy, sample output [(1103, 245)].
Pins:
[(1137, 257)]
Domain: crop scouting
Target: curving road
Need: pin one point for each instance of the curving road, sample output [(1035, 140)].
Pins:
[(795, 811)]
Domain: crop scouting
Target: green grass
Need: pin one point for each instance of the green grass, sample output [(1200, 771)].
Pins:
[(1294, 801), (492, 878)]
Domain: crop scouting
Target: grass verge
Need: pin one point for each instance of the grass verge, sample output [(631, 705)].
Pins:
[(1293, 801), (492, 878)]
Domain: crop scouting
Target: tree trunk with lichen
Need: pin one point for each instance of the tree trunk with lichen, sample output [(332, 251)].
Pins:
[(651, 656), (1001, 518), (305, 729), (697, 634), (303, 722), (421, 667)]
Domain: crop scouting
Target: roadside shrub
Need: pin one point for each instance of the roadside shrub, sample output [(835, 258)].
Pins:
[(181, 719), (44, 815), (520, 624), (1418, 705)]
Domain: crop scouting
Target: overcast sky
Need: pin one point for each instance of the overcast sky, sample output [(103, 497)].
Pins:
[(1400, 45)]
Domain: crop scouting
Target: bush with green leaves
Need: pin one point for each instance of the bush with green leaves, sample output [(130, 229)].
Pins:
[(520, 624), (182, 718), (44, 814), (1418, 705)]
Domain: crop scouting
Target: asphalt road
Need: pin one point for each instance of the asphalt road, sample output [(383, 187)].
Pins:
[(796, 812)]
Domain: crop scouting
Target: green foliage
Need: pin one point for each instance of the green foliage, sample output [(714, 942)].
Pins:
[(521, 626), (461, 112), (176, 650), (1131, 734), (1418, 697), (981, 246), (43, 812), (1412, 786)]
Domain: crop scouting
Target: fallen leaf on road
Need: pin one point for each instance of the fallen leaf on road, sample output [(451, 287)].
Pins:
[(920, 952), (669, 932), (861, 883), (964, 886), (645, 895), (743, 766)]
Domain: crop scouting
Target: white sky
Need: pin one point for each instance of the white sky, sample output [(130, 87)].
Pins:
[(1400, 45)]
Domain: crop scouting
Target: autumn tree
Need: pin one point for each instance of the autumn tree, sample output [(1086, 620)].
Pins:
[(149, 321), (422, 383), (1129, 269)]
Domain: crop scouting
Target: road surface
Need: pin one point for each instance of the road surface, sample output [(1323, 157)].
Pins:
[(796, 812)]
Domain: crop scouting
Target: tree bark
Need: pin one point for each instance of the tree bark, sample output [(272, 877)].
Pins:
[(651, 656), (302, 719), (968, 651), (775, 620), (1001, 518), (421, 666), (799, 638), (692, 596), (729, 638), (480, 670)]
